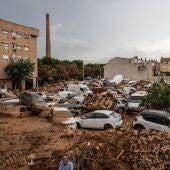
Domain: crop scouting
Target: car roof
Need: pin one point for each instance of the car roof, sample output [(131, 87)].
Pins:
[(60, 109), (107, 112), (139, 93), (156, 113)]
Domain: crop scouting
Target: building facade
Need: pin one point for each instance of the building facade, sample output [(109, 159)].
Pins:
[(165, 66), (17, 41), (131, 68)]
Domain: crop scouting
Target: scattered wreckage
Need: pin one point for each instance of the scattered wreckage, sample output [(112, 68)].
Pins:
[(99, 102), (33, 100)]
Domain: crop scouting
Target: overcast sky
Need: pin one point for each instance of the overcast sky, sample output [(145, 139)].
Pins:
[(96, 30)]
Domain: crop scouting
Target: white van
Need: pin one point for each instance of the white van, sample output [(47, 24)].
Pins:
[(134, 101), (63, 116)]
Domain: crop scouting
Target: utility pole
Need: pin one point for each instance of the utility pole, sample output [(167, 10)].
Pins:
[(83, 70), (100, 72)]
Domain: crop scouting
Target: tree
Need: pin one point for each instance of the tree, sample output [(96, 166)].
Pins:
[(158, 97), (20, 70), (55, 69)]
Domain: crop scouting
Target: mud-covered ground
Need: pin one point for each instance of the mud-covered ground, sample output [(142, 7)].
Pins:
[(36, 139)]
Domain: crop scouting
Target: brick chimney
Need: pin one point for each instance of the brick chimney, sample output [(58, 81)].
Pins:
[(48, 43)]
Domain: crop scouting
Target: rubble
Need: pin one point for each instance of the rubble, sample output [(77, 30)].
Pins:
[(108, 150), (99, 101), (42, 146)]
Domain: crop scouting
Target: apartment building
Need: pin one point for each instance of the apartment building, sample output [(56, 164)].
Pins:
[(16, 41), (165, 66)]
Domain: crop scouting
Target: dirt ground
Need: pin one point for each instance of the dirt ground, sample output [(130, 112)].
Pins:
[(34, 138)]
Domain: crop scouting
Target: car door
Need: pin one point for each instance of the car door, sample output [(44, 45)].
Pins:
[(100, 120), (165, 124), (87, 121), (152, 122)]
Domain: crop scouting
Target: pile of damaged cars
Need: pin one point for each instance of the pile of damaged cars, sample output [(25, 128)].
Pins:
[(95, 104)]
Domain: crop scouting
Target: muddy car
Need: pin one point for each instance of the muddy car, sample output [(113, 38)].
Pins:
[(63, 116), (16, 111), (33, 100)]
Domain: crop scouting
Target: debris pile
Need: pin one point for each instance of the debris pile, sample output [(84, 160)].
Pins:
[(150, 151), (108, 150), (99, 101)]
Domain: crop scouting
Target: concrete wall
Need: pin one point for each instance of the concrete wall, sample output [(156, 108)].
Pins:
[(128, 68)]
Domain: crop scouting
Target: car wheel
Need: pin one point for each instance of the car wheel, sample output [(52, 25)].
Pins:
[(108, 126), (139, 127), (78, 125)]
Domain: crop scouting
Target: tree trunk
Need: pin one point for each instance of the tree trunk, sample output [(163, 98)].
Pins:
[(23, 85)]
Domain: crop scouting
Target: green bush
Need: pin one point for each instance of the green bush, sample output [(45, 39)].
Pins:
[(158, 97)]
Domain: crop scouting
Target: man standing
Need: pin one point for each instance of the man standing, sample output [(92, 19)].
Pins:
[(65, 164)]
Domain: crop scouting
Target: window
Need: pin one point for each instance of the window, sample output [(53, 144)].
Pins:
[(5, 46), (26, 37), (89, 116), (14, 46), (158, 120), (26, 48), (166, 122), (150, 118), (5, 33), (27, 95), (163, 121), (5, 58), (19, 47), (101, 116), (14, 57), (14, 34), (18, 35)]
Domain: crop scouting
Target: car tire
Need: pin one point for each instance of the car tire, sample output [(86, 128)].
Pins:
[(108, 126), (78, 125), (139, 127)]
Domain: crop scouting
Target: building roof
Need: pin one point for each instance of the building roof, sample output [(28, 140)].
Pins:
[(117, 58), (32, 31)]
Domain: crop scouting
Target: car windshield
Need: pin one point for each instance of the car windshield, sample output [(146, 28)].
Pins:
[(135, 99), (115, 115), (37, 98)]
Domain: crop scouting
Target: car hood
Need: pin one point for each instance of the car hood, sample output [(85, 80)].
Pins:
[(69, 121)]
